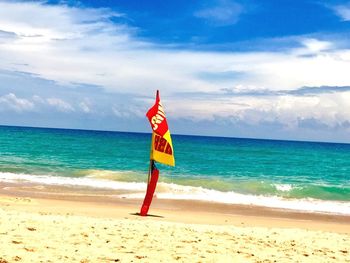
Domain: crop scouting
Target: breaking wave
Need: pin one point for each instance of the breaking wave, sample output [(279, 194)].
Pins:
[(182, 192)]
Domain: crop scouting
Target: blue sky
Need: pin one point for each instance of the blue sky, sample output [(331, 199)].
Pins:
[(262, 69)]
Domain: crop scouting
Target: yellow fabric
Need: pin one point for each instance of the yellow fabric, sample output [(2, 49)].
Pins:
[(160, 151)]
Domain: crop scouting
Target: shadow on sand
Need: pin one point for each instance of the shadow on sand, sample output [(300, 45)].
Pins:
[(138, 214)]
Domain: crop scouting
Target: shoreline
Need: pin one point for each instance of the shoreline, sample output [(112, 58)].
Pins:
[(168, 209), (46, 186)]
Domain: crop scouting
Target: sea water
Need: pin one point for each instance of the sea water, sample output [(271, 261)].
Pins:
[(303, 176)]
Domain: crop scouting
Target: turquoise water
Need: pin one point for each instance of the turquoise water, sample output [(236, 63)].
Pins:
[(212, 166)]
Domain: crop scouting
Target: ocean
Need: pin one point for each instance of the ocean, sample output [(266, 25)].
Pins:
[(302, 176)]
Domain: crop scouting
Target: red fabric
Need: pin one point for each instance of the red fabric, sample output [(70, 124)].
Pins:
[(156, 117), (150, 191)]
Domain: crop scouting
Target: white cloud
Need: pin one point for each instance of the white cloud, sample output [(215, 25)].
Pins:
[(60, 104), (343, 11), (314, 45), (130, 111), (84, 106), (118, 113), (70, 45), (330, 110), (12, 102), (38, 99), (104, 54), (225, 12), (36, 20)]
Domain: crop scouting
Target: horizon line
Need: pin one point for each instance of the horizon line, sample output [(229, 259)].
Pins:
[(174, 134)]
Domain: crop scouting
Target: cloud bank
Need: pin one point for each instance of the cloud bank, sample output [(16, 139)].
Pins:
[(75, 49)]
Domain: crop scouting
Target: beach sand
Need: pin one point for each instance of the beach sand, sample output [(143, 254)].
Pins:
[(85, 228)]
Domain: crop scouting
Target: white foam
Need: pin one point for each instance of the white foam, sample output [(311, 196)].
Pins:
[(174, 191), (283, 187), (71, 181), (201, 194)]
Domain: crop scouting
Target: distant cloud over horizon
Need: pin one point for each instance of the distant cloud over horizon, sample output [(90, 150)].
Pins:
[(92, 66)]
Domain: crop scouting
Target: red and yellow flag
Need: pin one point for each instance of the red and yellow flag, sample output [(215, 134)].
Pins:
[(162, 148)]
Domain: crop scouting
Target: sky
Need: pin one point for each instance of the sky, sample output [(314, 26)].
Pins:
[(275, 69)]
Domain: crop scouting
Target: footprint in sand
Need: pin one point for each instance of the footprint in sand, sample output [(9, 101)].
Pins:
[(17, 258)]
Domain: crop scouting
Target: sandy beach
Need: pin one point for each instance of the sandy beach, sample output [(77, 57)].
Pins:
[(85, 228)]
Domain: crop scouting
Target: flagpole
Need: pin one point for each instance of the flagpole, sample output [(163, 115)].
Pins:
[(161, 150), (149, 171), (151, 161)]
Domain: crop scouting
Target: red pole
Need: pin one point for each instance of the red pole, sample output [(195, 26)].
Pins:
[(151, 187)]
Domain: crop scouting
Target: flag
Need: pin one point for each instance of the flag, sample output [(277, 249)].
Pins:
[(162, 149)]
